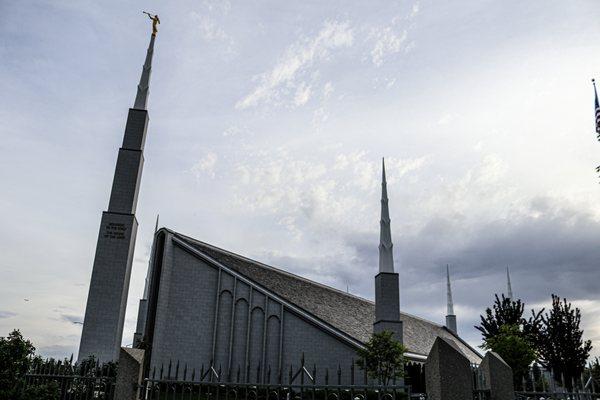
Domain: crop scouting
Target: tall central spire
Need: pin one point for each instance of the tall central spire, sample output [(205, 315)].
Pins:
[(109, 285), (141, 98), (386, 254)]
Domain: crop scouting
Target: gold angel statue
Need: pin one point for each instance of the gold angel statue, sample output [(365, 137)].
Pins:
[(155, 22)]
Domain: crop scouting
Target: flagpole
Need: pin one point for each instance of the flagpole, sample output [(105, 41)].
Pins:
[(597, 116)]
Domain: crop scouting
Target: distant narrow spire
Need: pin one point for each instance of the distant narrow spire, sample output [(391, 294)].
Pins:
[(509, 292), (147, 282), (450, 316), (450, 304), (386, 256), (141, 98)]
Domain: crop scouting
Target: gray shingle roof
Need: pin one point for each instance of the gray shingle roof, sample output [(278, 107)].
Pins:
[(350, 314)]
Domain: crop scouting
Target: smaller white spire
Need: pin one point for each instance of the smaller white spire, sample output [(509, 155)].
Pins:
[(450, 310), (450, 316), (386, 255), (509, 292)]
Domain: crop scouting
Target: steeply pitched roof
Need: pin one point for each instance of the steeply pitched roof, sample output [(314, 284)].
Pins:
[(350, 314)]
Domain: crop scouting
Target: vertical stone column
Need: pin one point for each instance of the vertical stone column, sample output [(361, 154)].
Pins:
[(448, 373), (387, 305), (109, 285), (107, 298), (498, 377), (129, 374), (387, 282)]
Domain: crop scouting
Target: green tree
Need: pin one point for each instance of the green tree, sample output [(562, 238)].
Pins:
[(16, 357), (514, 348), (382, 358), (561, 346), (506, 311)]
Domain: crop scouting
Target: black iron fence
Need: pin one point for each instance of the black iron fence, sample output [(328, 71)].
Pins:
[(174, 381), (303, 382), (480, 387), (86, 381), (540, 383), (90, 380)]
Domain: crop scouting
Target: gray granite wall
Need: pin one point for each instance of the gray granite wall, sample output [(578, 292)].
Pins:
[(109, 287), (205, 313)]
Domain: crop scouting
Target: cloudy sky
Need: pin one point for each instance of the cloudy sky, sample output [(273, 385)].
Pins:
[(268, 121)]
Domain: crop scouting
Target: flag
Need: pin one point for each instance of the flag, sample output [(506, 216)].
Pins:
[(596, 110)]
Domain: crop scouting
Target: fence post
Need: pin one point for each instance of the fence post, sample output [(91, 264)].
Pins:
[(129, 374), (498, 376), (448, 372)]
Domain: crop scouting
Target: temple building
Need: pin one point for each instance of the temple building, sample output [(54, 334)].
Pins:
[(208, 307)]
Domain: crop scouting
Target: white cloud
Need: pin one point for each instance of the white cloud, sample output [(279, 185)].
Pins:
[(327, 89), (414, 10), (315, 194), (297, 59), (205, 166), (234, 130), (302, 96), (446, 119), (387, 42), (223, 6), (211, 31)]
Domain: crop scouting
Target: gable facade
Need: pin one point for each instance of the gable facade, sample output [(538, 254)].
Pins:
[(207, 304), (206, 311)]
